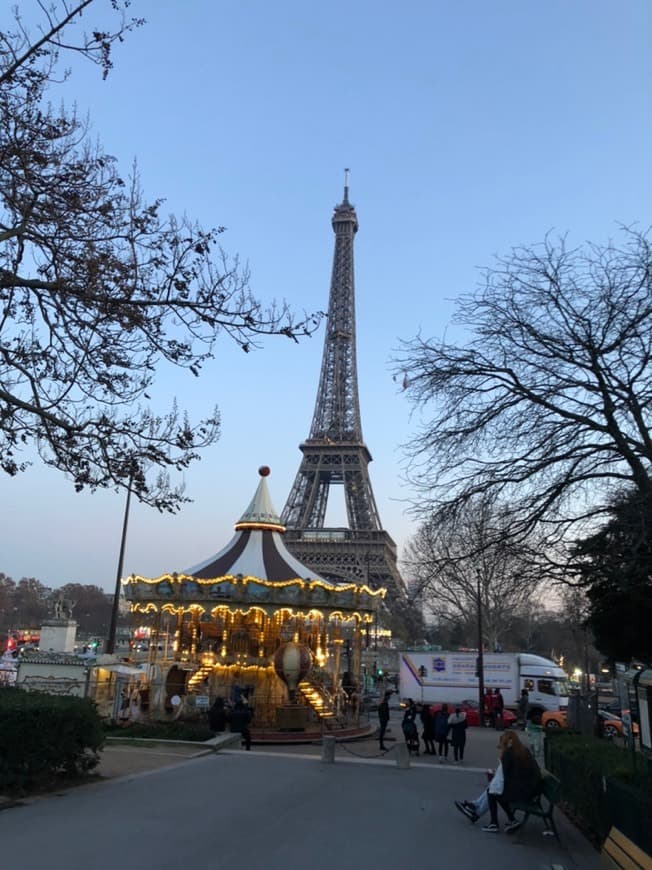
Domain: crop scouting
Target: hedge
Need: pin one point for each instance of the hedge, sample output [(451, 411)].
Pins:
[(603, 784), (45, 738)]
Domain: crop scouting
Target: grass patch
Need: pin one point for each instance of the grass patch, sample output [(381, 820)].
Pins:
[(161, 731)]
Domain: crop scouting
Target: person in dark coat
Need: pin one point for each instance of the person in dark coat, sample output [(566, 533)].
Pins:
[(411, 709), (522, 781), (498, 707), (217, 716), (441, 732), (523, 707), (428, 733), (487, 708), (383, 719), (240, 721), (457, 730), (410, 732)]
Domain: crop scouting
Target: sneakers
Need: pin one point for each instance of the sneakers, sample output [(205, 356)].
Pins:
[(512, 826), (491, 829), (466, 808)]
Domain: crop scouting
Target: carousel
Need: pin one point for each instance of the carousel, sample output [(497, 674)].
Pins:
[(254, 624)]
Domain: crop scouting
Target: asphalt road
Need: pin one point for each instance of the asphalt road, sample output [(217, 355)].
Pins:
[(272, 810)]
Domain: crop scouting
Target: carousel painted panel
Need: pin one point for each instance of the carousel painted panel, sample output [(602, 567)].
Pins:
[(256, 591), (223, 590), (191, 590)]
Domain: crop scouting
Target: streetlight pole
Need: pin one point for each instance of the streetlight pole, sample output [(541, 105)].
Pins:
[(110, 640), (480, 659)]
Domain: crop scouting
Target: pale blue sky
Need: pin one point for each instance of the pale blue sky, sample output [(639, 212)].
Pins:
[(469, 127)]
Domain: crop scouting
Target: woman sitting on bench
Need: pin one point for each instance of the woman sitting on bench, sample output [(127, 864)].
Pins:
[(522, 781)]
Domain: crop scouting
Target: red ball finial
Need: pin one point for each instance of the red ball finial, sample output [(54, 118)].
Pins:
[(264, 470)]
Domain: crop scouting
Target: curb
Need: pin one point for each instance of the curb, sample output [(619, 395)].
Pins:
[(212, 745), (7, 803)]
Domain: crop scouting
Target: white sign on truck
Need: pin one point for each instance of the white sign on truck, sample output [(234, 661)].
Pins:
[(438, 677)]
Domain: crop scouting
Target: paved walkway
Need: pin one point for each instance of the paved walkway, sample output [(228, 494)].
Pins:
[(277, 807)]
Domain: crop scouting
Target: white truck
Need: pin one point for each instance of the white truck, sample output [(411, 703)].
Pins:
[(438, 677)]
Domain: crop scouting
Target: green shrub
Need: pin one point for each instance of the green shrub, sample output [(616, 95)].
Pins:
[(46, 737), (603, 785)]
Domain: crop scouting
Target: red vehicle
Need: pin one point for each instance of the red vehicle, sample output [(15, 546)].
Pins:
[(472, 716), (17, 638)]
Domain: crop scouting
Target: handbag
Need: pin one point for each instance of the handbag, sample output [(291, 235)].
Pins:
[(497, 784)]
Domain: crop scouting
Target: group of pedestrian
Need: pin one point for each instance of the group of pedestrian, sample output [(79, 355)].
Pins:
[(238, 716), (516, 779), (439, 729)]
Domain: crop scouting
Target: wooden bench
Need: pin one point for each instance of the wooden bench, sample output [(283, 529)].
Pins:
[(543, 805), (618, 851)]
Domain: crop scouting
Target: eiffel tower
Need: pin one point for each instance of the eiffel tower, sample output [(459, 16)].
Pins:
[(335, 454)]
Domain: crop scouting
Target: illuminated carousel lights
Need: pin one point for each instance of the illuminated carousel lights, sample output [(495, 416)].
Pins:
[(168, 607), (239, 579)]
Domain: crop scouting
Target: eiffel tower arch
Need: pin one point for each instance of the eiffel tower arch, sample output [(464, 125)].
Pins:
[(334, 454)]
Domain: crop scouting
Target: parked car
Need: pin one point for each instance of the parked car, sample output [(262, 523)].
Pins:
[(551, 720), (612, 725)]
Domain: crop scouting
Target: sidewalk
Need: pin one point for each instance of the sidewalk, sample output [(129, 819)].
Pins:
[(128, 757), (274, 808)]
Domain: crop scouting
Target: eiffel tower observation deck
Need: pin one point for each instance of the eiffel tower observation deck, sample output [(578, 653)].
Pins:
[(334, 454)]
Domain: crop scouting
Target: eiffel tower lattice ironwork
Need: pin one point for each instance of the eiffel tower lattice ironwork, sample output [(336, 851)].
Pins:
[(335, 453)]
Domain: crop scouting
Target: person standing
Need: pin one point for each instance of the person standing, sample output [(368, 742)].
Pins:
[(240, 721), (487, 707), (428, 733), (410, 732), (441, 732), (217, 716), (411, 709), (523, 707), (498, 707), (383, 719), (457, 729), (354, 702)]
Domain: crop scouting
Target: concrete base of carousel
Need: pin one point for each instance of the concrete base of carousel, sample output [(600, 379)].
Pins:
[(312, 734)]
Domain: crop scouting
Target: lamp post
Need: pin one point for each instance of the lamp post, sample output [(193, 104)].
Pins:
[(110, 640), (480, 659)]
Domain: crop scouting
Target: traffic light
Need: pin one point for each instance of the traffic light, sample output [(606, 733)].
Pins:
[(477, 666), (380, 672)]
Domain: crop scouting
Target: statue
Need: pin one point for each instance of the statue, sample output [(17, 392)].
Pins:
[(62, 607)]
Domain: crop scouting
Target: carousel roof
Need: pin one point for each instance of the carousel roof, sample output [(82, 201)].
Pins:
[(257, 549)]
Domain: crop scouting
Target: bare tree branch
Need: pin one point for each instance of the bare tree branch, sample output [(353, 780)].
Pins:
[(547, 403), (98, 288)]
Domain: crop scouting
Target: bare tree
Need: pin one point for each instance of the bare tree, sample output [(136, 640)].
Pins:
[(461, 563), (98, 289), (545, 402)]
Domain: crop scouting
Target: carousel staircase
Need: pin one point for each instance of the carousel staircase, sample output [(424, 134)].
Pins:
[(194, 683), (318, 700)]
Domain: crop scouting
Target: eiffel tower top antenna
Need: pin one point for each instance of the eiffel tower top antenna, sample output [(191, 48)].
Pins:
[(346, 185)]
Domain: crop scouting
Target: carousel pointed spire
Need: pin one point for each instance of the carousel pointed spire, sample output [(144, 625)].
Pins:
[(260, 512)]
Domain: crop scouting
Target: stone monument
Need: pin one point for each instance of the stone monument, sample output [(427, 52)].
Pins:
[(58, 631)]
